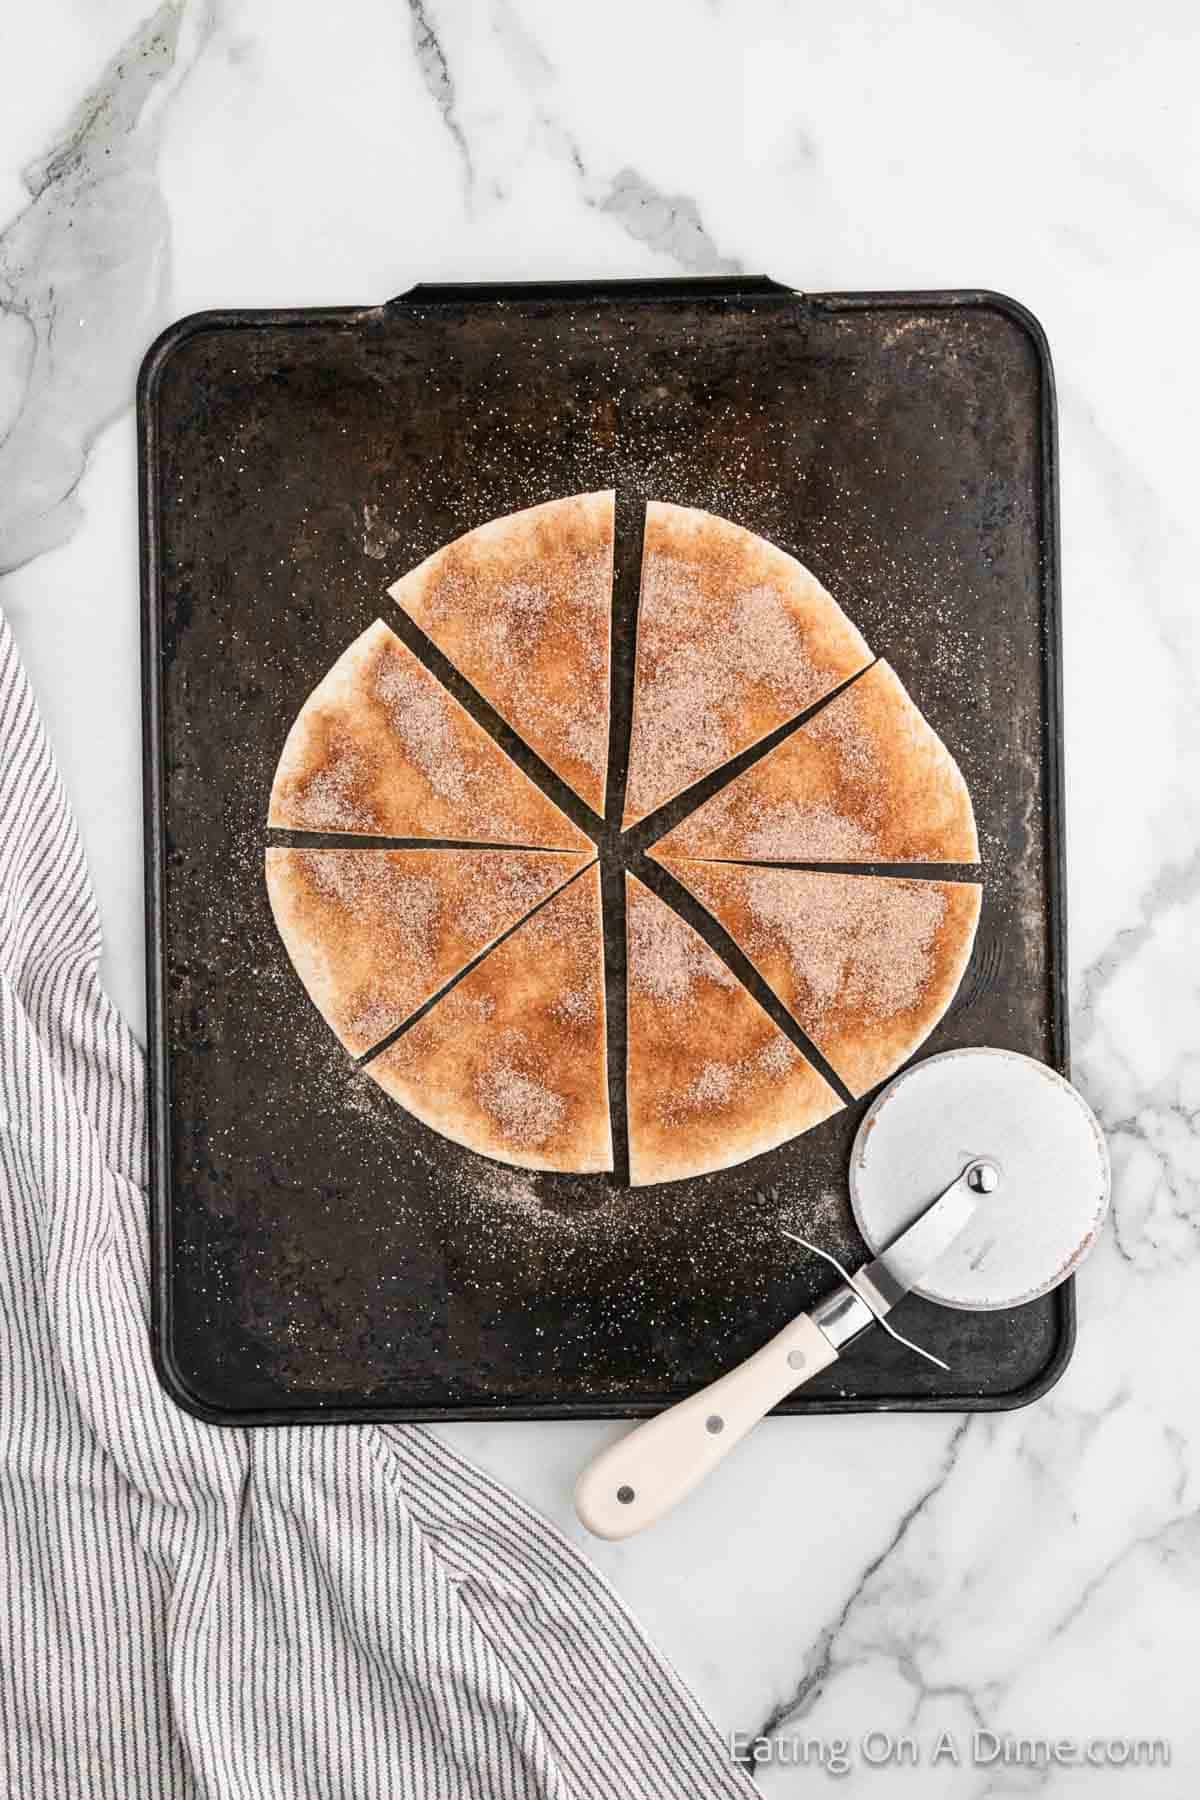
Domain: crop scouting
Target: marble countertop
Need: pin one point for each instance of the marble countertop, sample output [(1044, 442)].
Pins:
[(1033, 1574)]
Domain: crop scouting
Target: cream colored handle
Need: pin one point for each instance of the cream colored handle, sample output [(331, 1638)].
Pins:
[(637, 1480)]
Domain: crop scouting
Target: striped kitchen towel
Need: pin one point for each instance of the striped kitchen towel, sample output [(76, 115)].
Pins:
[(188, 1610)]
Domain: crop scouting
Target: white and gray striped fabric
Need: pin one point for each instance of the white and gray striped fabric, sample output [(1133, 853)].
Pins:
[(192, 1611)]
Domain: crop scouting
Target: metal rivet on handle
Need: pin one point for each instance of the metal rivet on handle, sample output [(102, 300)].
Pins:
[(625, 1495), (796, 1359), (714, 1423)]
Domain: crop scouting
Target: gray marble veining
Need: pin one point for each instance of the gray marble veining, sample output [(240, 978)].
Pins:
[(81, 279)]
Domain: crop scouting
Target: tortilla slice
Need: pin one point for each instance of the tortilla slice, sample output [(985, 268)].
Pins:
[(522, 606), (373, 933), (866, 780), (381, 749), (734, 638), (711, 1080), (865, 964), (512, 1061)]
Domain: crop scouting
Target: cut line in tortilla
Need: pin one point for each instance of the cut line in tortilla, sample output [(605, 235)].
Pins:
[(512, 1061), (866, 964), (867, 779), (373, 934), (710, 1080), (522, 606), (380, 749), (734, 638)]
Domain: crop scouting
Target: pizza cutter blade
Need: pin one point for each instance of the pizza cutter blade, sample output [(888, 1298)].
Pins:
[(1026, 1120), (980, 1179)]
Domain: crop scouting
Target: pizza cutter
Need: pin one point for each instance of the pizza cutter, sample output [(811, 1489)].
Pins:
[(979, 1179)]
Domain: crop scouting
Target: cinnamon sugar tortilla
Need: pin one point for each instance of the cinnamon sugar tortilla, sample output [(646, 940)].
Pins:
[(373, 933), (522, 606), (866, 964), (734, 638), (380, 748), (866, 780), (512, 1062), (711, 1080)]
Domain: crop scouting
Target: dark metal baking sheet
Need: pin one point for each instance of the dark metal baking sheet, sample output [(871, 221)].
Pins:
[(317, 1253)]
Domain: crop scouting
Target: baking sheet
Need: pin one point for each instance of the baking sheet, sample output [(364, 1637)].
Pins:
[(317, 1253)]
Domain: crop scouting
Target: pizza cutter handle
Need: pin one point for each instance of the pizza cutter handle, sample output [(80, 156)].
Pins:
[(637, 1480)]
